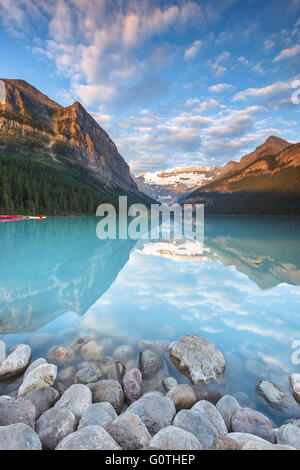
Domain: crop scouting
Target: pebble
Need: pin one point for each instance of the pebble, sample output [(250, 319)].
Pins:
[(16, 410), (183, 396), (39, 377), (129, 431), (249, 421), (132, 384), (88, 438), (98, 414), (54, 425), (75, 399), (16, 362), (43, 399), (88, 375), (169, 382), (212, 414), (273, 395), (227, 407), (109, 391), (199, 425), (19, 437), (174, 438)]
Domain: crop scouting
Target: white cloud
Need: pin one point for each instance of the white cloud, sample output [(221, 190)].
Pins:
[(288, 53), (277, 89), (191, 52), (218, 66), (220, 87)]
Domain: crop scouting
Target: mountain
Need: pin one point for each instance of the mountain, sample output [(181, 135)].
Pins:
[(39, 136), (168, 185), (264, 182)]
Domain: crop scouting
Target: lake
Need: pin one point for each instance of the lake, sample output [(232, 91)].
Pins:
[(58, 281)]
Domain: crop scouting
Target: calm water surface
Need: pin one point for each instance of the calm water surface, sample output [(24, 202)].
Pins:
[(241, 292)]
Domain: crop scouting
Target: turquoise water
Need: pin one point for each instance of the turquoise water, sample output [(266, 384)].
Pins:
[(241, 292)]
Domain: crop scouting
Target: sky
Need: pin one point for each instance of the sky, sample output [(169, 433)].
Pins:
[(175, 83)]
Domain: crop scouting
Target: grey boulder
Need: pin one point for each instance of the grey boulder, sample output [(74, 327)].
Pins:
[(16, 410), (273, 395), (227, 407), (88, 375), (129, 431), (19, 437), (251, 421), (288, 434), (98, 414), (174, 438), (199, 425), (149, 363), (109, 391), (54, 425), (155, 410), (41, 376), (197, 358), (75, 399), (88, 438), (43, 399), (212, 414), (16, 362)]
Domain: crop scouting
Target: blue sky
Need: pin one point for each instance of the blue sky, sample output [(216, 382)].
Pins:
[(175, 83)]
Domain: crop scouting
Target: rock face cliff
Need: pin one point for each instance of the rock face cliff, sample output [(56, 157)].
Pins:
[(28, 112)]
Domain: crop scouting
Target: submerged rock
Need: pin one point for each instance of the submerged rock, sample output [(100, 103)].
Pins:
[(227, 407), (199, 425), (155, 410), (16, 362), (61, 355), (174, 438), (66, 375), (295, 383), (159, 347), (39, 377), (43, 399), (123, 353), (253, 422), (91, 351), (129, 431), (54, 425), (89, 438), (75, 399), (98, 414), (132, 384), (109, 391), (19, 437), (197, 358), (209, 395), (16, 410), (112, 369), (273, 395), (183, 396)]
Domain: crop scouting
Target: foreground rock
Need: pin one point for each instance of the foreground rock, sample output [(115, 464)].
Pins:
[(266, 446), (295, 383), (88, 375), (75, 399), (212, 414), (199, 425), (183, 396), (89, 438), (149, 363), (174, 438), (273, 395), (251, 421), (16, 410), (16, 362), (42, 376), (244, 438), (43, 399), (197, 358), (155, 410), (109, 391), (19, 437), (54, 425), (129, 431), (98, 414), (225, 443), (61, 355), (132, 384), (34, 364), (289, 435), (227, 407)]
